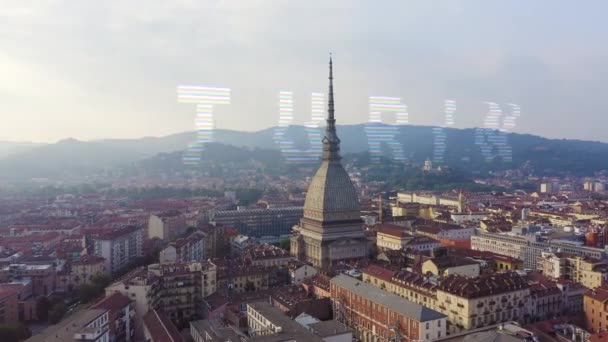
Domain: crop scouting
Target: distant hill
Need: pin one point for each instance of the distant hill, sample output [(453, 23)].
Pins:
[(69, 159), (8, 148)]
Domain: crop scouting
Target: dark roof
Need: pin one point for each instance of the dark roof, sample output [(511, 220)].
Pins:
[(328, 328), (161, 328), (389, 300), (484, 285), (393, 230), (451, 261)]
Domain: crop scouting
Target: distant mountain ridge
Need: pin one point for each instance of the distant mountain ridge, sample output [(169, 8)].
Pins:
[(72, 157)]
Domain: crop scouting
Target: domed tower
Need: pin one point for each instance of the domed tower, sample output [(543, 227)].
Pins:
[(331, 229)]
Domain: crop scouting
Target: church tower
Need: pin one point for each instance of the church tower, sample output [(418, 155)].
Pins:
[(331, 229)]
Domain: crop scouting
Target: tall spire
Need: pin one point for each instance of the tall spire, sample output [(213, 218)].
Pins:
[(330, 106), (331, 142)]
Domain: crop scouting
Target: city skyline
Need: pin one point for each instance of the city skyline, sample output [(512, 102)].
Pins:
[(59, 83)]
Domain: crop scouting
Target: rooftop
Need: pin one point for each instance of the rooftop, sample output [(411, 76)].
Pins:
[(65, 330), (328, 328), (389, 300), (161, 328), (599, 294), (484, 285), (291, 330)]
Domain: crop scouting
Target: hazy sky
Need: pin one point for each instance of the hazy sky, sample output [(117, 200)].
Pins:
[(109, 69)]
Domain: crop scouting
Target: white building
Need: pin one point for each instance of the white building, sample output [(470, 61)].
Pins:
[(119, 247), (298, 272), (87, 325)]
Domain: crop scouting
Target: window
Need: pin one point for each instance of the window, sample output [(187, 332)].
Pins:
[(427, 326)]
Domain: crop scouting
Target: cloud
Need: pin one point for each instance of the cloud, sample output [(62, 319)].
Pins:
[(110, 69)]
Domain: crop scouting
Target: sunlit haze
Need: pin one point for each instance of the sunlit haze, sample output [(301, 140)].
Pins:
[(111, 69)]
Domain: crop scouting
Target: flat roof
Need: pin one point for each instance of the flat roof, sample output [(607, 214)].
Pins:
[(389, 300), (65, 330)]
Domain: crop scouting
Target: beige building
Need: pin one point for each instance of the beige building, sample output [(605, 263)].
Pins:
[(208, 279), (473, 303), (451, 265), (589, 272), (143, 288), (409, 285), (392, 237), (298, 272), (85, 325), (469, 303), (167, 226), (86, 268), (267, 255)]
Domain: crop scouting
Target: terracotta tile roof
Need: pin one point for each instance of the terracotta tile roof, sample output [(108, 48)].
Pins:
[(393, 230), (379, 272), (599, 294), (484, 285), (161, 328), (114, 302), (8, 290)]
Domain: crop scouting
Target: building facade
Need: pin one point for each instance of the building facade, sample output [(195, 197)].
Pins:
[(119, 247), (167, 226), (271, 222), (376, 315)]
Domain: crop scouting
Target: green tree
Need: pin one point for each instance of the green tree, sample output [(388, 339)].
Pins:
[(57, 312), (93, 289), (87, 292), (14, 332), (285, 244), (43, 305)]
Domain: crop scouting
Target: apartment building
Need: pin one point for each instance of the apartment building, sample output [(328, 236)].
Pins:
[(299, 272), (121, 314), (9, 304), (596, 309), (377, 315), (167, 226), (267, 323), (451, 264), (485, 300), (143, 288), (86, 325), (589, 272), (86, 268), (529, 248), (392, 237), (188, 249), (119, 247), (267, 255), (409, 285), (259, 222), (43, 276), (239, 278), (176, 290), (180, 296)]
